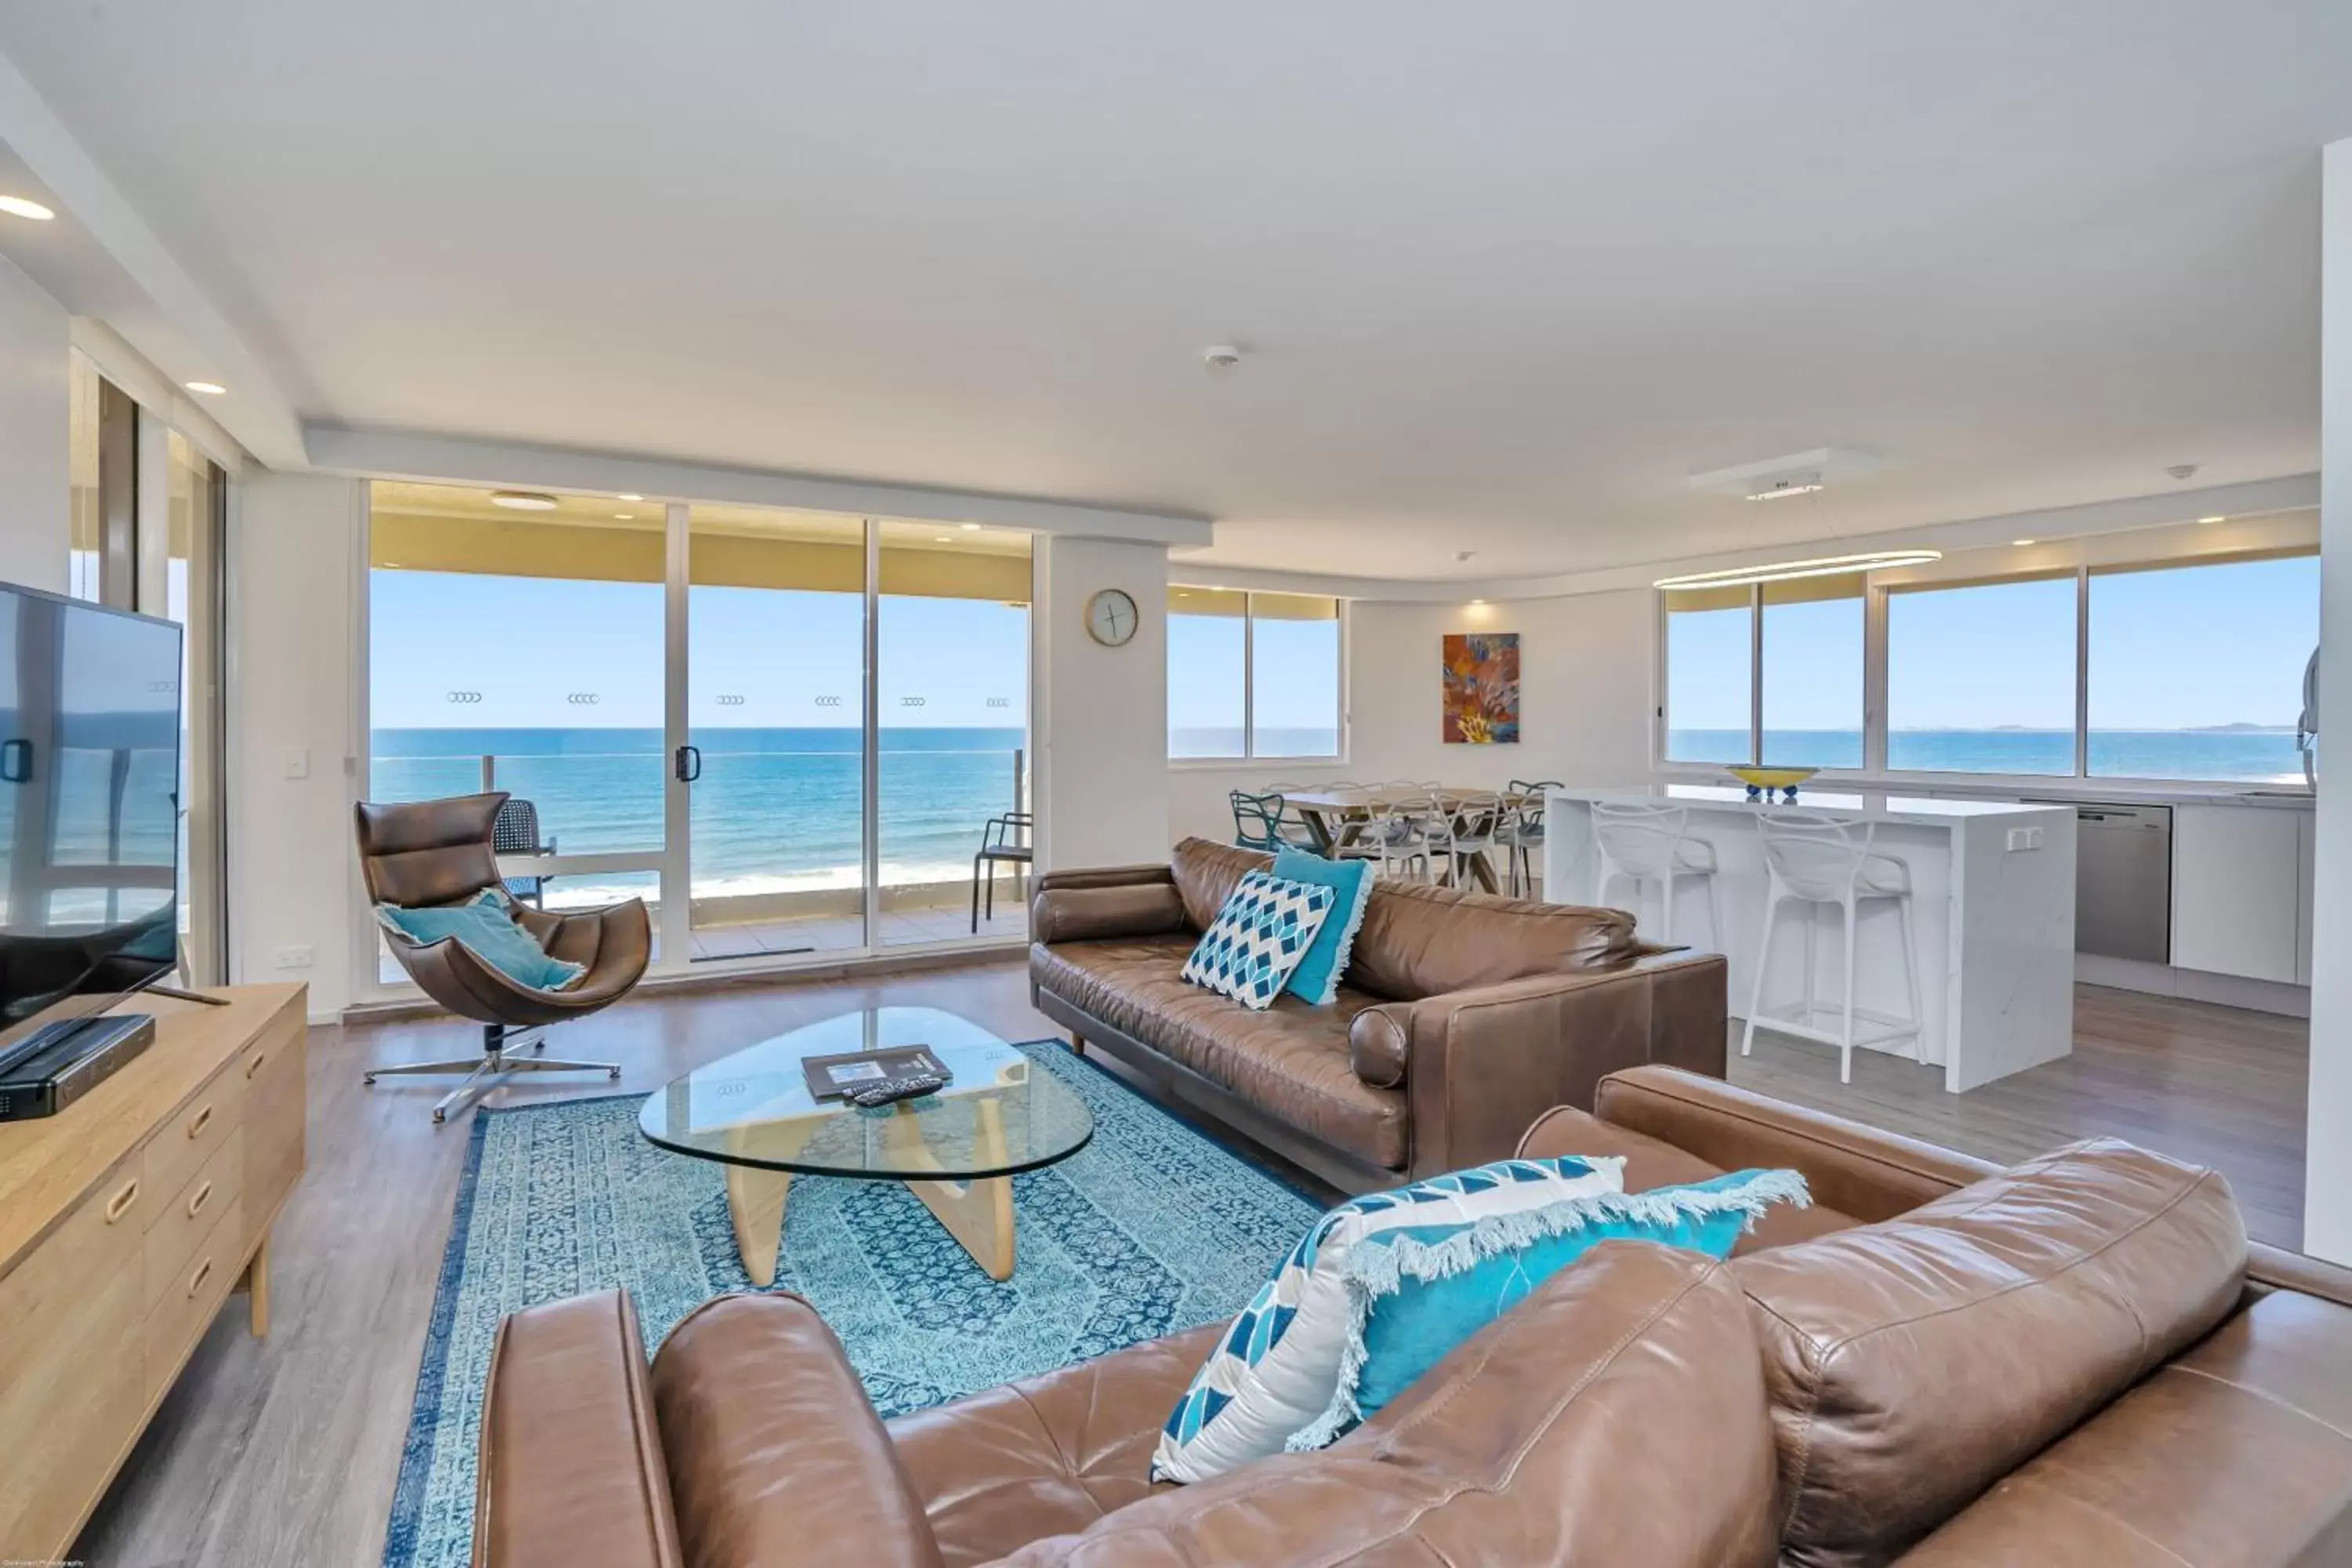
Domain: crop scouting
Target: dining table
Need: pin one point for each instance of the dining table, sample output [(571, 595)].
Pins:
[(1336, 816)]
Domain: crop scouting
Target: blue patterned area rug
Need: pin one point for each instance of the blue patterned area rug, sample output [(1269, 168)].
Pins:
[(1151, 1228)]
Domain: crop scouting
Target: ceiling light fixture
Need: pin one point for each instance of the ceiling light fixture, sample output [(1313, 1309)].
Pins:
[(522, 500), (944, 539), (1477, 601), (1783, 571), (1793, 485), (209, 388), (2021, 543), (17, 207), (624, 517), (2213, 520), (628, 495), (970, 526)]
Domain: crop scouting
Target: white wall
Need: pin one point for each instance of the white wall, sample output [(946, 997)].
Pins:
[(2327, 1193), (1101, 713), (1586, 669), (293, 671), (35, 423)]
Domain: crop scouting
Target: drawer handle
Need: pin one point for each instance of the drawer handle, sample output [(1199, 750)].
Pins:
[(255, 1065), (123, 1200), (204, 1195), (202, 1274), (197, 1123)]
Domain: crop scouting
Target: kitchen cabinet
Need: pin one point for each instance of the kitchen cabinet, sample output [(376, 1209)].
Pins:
[(2241, 891)]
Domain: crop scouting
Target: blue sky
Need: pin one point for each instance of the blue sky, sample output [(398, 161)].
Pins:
[(1298, 673), (2170, 650), (529, 643)]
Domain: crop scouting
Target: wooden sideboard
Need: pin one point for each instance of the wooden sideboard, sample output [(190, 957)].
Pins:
[(125, 1222)]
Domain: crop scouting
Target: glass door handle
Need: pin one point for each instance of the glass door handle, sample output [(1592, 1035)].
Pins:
[(689, 763)]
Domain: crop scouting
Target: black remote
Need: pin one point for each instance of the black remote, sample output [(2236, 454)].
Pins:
[(890, 1090)]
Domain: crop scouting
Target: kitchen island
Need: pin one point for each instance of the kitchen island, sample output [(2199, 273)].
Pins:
[(1993, 915)]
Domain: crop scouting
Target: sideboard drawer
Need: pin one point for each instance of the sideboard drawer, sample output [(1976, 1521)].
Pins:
[(191, 1296), (70, 1396), (189, 1216), (179, 1148)]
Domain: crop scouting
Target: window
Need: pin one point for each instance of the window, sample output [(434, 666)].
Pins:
[(1980, 677), (1710, 675), (1811, 673), (1253, 675), (2218, 704)]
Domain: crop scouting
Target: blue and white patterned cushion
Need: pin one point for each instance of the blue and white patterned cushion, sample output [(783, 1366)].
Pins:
[(1258, 938), (1277, 1368)]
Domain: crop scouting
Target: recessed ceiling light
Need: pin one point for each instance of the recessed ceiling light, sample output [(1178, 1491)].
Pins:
[(17, 207), (2213, 520), (944, 539), (1477, 601), (628, 495), (2021, 543), (522, 500), (1782, 571), (970, 526), (209, 388), (624, 517)]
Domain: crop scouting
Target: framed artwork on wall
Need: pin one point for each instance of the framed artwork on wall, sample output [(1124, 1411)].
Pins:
[(1481, 689)]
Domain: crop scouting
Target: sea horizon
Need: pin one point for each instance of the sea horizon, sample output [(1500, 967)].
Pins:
[(2231, 754)]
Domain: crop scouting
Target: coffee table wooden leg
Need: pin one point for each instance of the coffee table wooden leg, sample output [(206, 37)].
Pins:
[(978, 1214), (755, 1202)]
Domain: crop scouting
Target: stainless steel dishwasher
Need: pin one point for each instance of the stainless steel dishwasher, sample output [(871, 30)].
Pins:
[(2122, 880)]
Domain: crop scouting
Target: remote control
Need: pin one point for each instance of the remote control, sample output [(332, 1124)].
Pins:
[(889, 1091)]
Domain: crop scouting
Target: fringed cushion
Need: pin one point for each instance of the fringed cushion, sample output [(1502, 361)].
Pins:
[(1276, 1368), (1415, 1292)]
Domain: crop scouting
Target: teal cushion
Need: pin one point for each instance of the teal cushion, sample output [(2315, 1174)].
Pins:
[(1316, 978), (1416, 1292), (486, 929), (1258, 938)]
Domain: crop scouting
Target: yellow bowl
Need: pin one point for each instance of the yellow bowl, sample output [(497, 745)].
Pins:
[(1772, 778)]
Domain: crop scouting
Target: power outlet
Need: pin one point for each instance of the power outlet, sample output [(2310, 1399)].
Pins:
[(2024, 839), (297, 957)]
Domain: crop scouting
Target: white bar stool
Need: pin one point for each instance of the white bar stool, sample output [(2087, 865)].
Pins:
[(1650, 844), (1816, 861)]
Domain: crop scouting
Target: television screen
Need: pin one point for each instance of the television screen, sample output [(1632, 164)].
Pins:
[(89, 822)]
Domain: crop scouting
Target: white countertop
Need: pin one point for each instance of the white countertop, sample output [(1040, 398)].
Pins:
[(1843, 806), (2122, 792)]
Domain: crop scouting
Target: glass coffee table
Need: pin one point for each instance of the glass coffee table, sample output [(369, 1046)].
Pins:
[(957, 1150)]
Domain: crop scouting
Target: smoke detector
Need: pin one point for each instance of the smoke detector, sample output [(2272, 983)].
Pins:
[(1222, 356), (2182, 470), (1797, 474)]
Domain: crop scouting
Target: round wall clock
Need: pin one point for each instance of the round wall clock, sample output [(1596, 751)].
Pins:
[(1111, 619)]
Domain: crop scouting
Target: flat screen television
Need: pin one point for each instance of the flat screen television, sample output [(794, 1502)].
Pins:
[(90, 807)]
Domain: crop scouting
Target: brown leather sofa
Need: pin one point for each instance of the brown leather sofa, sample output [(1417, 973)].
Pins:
[(2079, 1361), (1457, 1016)]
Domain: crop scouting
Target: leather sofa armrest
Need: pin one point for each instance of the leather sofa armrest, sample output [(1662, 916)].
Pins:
[(775, 1453), (1101, 914), (570, 1472), (1106, 876), (2276, 1269), (1480, 1062), (1854, 1169)]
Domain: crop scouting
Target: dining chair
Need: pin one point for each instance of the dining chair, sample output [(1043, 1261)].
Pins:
[(1471, 822), (1522, 834), (1269, 823), (1398, 837)]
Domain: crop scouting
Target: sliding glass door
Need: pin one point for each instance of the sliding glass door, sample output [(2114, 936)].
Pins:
[(773, 760), (812, 726)]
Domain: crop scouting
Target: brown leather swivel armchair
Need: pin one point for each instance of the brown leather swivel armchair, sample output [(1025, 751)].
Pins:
[(438, 852)]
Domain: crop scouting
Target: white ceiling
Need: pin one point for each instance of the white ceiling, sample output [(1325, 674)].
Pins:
[(1505, 273)]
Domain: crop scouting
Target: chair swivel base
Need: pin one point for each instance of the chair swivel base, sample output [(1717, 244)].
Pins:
[(483, 1072)]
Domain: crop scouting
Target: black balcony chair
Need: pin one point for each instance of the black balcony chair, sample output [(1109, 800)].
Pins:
[(515, 831), (1006, 837)]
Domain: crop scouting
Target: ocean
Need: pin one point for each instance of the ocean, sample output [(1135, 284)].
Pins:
[(2259, 756), (774, 811)]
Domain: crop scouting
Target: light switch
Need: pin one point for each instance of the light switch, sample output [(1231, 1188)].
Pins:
[(2024, 839), (298, 762)]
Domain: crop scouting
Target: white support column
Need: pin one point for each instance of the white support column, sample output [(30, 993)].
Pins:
[(2327, 1192)]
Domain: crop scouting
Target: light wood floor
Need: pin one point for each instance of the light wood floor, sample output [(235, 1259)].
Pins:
[(283, 1453)]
